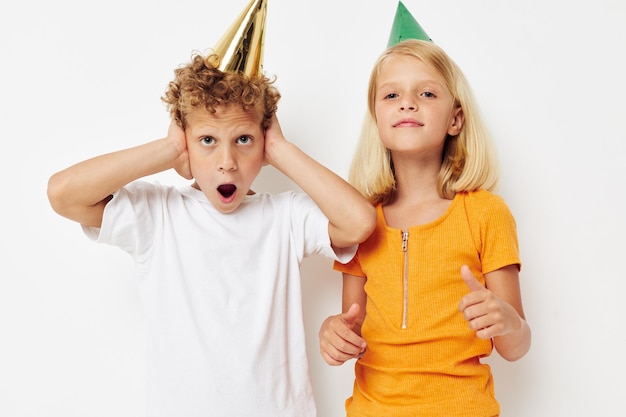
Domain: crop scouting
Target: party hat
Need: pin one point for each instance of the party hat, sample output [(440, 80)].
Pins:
[(241, 48), (405, 27)]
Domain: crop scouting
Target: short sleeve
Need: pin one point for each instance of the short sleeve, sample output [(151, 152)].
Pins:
[(494, 231), (129, 218), (353, 267), (310, 225)]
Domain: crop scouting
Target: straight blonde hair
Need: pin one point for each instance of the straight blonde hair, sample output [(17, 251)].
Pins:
[(468, 161)]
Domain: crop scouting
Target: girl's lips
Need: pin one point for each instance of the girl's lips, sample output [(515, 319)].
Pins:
[(408, 123)]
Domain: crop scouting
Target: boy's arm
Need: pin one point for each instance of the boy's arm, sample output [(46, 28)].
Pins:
[(351, 217), (81, 191)]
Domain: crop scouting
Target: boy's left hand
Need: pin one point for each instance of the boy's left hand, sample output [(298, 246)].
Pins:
[(487, 314), (273, 136)]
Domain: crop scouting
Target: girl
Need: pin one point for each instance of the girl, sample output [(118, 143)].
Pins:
[(436, 285)]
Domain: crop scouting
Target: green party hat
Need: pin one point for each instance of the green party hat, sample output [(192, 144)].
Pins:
[(405, 27)]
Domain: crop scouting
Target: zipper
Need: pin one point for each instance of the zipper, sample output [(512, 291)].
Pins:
[(405, 278)]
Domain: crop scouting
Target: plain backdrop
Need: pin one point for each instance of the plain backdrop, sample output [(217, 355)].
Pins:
[(81, 78)]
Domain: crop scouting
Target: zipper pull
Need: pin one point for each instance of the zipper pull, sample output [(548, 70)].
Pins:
[(405, 279)]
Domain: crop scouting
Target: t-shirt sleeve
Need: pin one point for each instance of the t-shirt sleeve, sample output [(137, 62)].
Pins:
[(497, 230), (353, 267), (128, 218), (310, 225)]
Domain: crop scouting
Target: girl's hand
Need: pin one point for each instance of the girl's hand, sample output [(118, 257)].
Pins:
[(176, 135), (487, 314), (338, 340)]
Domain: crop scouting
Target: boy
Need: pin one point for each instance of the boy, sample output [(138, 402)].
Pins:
[(218, 265)]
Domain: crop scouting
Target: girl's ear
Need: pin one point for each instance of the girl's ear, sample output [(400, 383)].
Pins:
[(456, 122)]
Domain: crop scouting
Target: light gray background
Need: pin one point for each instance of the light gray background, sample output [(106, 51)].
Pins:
[(80, 78)]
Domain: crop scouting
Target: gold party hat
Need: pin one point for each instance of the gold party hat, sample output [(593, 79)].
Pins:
[(241, 48)]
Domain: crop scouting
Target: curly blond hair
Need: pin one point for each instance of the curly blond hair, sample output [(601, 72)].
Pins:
[(200, 84)]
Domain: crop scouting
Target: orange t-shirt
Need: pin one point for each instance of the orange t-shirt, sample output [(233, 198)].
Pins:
[(432, 366)]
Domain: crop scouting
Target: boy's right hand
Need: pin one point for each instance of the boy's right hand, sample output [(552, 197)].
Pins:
[(338, 340), (177, 136)]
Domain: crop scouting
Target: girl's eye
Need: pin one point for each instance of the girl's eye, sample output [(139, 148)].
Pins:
[(428, 94), (391, 95), (208, 140), (244, 140)]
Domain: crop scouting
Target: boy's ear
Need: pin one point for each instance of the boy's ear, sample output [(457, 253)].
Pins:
[(456, 123)]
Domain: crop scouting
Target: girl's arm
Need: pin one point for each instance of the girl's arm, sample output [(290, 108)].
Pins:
[(340, 335), (496, 311), (81, 191), (351, 217)]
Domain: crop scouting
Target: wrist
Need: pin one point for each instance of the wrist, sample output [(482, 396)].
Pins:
[(277, 151)]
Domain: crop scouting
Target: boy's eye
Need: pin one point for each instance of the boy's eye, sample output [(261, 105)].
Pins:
[(208, 140), (244, 140)]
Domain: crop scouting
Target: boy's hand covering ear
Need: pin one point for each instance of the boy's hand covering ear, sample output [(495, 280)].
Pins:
[(177, 136)]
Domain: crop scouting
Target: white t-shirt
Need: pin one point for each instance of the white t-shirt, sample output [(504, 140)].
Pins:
[(222, 296)]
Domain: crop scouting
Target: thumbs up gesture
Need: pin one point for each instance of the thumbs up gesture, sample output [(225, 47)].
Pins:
[(339, 340), (487, 314)]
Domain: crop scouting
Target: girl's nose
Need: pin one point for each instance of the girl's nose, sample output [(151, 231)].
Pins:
[(408, 102), (408, 106)]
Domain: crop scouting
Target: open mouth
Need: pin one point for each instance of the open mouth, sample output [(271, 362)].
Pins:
[(227, 190)]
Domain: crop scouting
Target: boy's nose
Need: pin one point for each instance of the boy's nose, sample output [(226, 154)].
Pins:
[(228, 161)]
